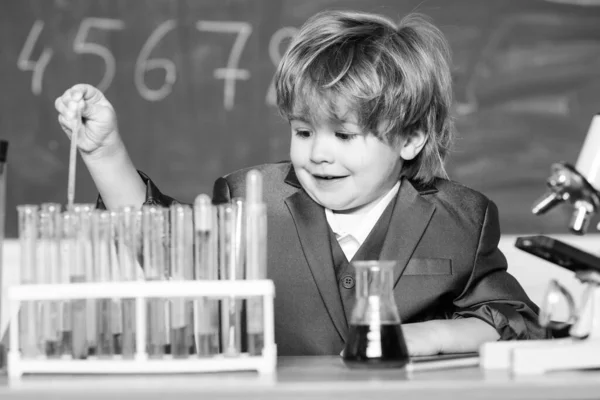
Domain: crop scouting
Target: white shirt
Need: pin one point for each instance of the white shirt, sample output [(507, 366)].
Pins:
[(351, 230)]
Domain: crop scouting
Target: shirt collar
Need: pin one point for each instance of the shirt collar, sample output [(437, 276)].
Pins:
[(360, 225)]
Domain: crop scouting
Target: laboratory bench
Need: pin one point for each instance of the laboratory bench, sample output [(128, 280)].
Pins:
[(314, 378)]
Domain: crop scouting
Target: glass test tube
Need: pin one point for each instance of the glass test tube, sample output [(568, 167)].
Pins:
[(231, 268), (182, 266), (116, 313), (127, 251), (85, 256), (29, 334), (49, 269), (67, 253), (156, 256), (72, 260), (102, 238), (3, 170), (206, 310), (256, 257)]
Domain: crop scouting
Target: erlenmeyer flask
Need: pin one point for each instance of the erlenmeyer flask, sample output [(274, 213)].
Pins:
[(375, 339)]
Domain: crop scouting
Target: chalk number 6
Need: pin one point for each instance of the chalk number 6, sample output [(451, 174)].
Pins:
[(143, 65)]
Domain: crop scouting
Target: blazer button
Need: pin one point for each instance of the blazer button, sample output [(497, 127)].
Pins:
[(348, 282)]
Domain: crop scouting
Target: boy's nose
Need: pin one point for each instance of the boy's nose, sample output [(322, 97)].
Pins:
[(321, 150)]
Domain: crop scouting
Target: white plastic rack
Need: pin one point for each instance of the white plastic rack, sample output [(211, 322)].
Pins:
[(141, 363)]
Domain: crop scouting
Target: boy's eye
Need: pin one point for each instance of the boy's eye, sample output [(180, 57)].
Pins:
[(345, 136), (302, 133)]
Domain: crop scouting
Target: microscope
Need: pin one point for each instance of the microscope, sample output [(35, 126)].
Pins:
[(579, 187)]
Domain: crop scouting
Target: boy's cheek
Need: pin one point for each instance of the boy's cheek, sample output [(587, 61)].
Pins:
[(294, 155)]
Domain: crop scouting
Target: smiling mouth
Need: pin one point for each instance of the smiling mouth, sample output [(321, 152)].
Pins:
[(327, 177)]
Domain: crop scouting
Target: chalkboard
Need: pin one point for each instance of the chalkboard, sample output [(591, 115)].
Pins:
[(191, 83)]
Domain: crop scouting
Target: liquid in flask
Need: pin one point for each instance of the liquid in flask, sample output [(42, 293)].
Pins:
[(375, 339)]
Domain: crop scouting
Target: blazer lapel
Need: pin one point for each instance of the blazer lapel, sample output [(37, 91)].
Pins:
[(410, 217), (313, 231)]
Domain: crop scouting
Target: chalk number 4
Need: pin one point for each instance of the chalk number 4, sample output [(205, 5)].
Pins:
[(81, 45), (24, 62)]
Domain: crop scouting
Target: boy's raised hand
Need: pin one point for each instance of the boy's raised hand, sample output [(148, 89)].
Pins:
[(99, 122)]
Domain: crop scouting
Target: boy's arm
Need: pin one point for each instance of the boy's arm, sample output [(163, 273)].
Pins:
[(462, 335), (111, 162), (494, 296), (493, 305), (134, 188)]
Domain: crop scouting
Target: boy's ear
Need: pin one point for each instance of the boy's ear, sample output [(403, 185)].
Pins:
[(412, 145)]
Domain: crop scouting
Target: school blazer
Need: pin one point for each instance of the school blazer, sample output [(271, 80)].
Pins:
[(444, 240)]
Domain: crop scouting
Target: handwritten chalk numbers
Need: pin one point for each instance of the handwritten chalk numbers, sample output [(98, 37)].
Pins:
[(145, 64), (24, 62), (81, 45), (231, 73), (92, 29), (282, 34)]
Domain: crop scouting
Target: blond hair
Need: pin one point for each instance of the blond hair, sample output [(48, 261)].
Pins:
[(396, 77)]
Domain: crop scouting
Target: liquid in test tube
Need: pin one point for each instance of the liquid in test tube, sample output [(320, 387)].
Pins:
[(182, 266), (127, 251), (116, 322), (67, 255), (49, 251), (85, 259), (3, 171), (49, 269), (237, 267), (230, 266), (256, 257), (30, 334), (103, 238), (70, 261), (156, 256), (206, 310)]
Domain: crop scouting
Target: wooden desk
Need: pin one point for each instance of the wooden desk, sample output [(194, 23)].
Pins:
[(314, 378)]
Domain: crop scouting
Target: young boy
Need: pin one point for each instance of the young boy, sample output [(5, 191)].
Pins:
[(368, 103)]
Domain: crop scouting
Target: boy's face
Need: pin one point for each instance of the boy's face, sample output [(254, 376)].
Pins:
[(340, 166)]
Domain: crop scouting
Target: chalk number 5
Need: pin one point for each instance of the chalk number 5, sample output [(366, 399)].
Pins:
[(81, 45)]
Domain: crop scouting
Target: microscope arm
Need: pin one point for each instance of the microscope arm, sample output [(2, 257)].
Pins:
[(577, 185)]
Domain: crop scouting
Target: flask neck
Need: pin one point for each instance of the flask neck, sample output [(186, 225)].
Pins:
[(375, 304), (374, 282)]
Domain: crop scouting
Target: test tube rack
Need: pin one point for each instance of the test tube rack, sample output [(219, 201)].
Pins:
[(264, 364)]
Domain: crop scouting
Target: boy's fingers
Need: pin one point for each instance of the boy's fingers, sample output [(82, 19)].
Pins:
[(69, 111), (64, 125), (85, 92), (59, 104), (95, 112), (63, 100), (65, 103), (89, 110)]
